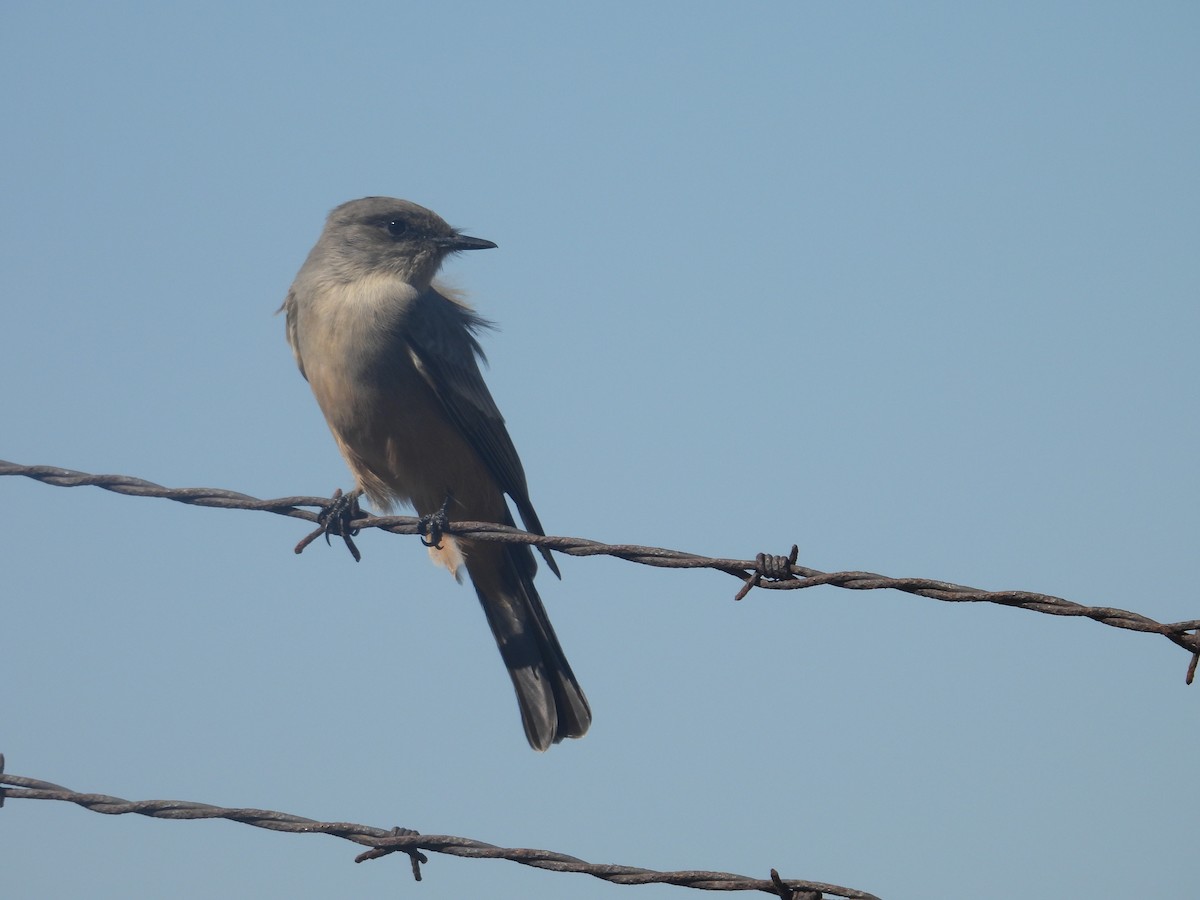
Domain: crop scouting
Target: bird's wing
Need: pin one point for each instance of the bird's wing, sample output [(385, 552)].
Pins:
[(289, 308), (441, 336)]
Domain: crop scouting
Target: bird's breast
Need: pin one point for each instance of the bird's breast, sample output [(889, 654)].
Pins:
[(388, 420)]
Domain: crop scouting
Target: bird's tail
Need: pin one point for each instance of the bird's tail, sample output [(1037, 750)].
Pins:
[(552, 703)]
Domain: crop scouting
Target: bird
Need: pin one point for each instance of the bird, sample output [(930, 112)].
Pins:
[(392, 358)]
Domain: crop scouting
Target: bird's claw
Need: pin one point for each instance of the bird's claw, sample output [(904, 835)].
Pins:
[(336, 518), (433, 525)]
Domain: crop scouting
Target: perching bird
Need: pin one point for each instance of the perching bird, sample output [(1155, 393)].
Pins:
[(393, 362)]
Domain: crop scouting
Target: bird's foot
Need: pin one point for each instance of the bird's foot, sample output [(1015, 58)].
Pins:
[(433, 525), (337, 517)]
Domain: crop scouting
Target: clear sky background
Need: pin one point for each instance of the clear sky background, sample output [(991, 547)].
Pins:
[(914, 286)]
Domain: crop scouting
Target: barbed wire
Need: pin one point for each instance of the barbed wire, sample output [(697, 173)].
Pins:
[(384, 841), (771, 572)]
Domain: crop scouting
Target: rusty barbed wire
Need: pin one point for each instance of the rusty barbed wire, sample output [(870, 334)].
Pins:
[(766, 571), (383, 841)]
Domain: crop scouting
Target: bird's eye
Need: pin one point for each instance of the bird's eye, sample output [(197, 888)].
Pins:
[(397, 228)]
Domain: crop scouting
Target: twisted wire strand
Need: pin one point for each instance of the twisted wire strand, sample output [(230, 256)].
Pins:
[(766, 571), (383, 841)]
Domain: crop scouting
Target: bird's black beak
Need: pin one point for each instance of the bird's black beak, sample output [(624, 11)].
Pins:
[(457, 242)]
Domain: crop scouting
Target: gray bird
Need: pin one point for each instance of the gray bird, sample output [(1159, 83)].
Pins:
[(394, 363)]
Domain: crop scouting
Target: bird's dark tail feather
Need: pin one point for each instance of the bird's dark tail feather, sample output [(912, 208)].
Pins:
[(552, 703)]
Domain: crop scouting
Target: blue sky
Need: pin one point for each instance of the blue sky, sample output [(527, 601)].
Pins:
[(915, 287)]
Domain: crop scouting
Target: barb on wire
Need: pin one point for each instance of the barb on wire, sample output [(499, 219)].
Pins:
[(768, 572), (383, 841)]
